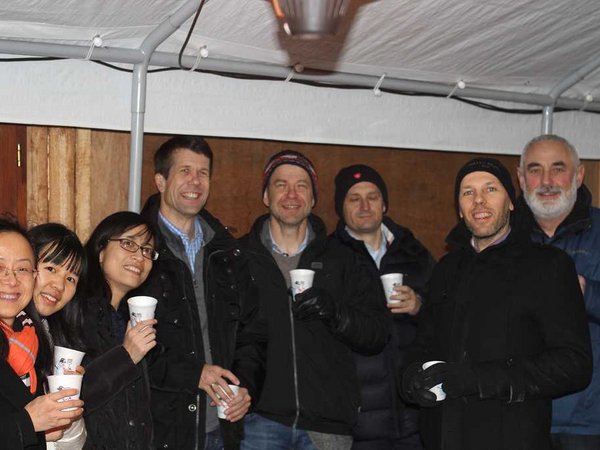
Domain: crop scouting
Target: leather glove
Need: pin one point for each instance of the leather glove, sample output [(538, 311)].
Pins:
[(415, 386), (315, 304), (458, 379)]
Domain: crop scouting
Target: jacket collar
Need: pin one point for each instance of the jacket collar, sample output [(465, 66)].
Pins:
[(403, 238), (460, 237), (316, 224)]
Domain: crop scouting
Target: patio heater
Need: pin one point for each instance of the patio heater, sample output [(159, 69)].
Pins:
[(310, 19)]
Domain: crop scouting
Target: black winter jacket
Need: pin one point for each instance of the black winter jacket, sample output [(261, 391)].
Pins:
[(115, 390), (178, 405), (327, 391), (515, 314), (16, 428), (385, 422)]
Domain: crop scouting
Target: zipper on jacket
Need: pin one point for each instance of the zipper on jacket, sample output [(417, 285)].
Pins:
[(197, 438), (297, 395), (293, 336)]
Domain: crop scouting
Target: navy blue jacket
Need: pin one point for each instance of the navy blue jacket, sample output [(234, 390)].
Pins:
[(579, 236)]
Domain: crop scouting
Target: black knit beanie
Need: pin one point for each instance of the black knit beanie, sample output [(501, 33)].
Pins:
[(349, 176), (489, 165), (296, 159)]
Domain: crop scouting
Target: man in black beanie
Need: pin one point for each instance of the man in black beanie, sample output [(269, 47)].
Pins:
[(503, 330), (361, 202)]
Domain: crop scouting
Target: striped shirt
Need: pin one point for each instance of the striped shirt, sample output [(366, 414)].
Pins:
[(192, 246)]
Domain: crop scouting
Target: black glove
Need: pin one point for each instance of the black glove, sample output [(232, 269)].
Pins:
[(415, 387), (315, 304), (458, 379)]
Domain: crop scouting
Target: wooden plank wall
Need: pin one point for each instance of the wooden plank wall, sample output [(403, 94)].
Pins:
[(80, 176)]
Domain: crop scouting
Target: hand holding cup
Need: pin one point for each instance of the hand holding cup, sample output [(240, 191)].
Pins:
[(140, 339)]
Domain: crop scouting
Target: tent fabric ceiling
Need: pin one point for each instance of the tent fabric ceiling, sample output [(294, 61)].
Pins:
[(511, 45)]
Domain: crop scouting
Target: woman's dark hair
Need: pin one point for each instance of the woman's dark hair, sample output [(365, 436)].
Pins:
[(54, 243), (111, 227), (44, 357)]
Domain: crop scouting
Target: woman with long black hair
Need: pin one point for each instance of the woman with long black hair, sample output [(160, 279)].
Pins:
[(120, 253)]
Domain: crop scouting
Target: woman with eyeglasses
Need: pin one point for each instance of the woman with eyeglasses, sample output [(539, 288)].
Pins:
[(120, 253), (61, 263), (25, 355)]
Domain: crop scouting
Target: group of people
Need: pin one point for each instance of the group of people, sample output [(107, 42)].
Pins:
[(502, 323)]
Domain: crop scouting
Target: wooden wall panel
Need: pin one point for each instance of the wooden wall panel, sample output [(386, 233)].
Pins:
[(592, 179), (83, 183), (61, 176), (37, 175), (13, 158), (109, 175)]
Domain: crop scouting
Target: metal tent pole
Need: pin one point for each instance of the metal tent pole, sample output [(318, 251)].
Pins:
[(138, 96), (564, 84)]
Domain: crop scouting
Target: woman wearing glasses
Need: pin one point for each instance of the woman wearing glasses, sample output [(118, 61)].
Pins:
[(120, 253), (25, 352), (61, 263)]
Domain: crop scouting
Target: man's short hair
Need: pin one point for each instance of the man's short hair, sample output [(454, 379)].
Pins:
[(553, 138), (163, 158)]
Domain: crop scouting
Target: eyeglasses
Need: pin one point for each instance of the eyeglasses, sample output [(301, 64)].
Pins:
[(148, 252), (21, 274)]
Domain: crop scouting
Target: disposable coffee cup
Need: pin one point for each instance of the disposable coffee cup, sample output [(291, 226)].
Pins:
[(66, 359), (390, 281), (221, 409), (141, 308), (301, 279), (437, 389), (59, 382)]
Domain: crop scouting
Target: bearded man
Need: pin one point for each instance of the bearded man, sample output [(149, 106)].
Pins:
[(558, 207)]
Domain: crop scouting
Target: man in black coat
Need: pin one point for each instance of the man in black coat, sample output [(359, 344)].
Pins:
[(204, 303), (310, 396), (361, 202), (505, 322)]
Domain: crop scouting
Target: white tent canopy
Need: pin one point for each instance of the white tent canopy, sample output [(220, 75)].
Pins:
[(517, 54)]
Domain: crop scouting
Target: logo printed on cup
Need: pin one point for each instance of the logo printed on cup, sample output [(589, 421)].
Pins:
[(66, 359)]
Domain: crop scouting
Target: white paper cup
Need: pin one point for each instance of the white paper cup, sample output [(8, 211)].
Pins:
[(221, 409), (66, 359), (437, 389), (301, 279), (59, 382), (141, 308), (390, 281)]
